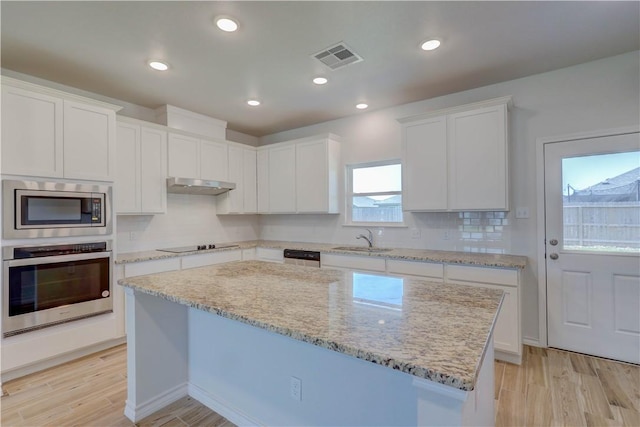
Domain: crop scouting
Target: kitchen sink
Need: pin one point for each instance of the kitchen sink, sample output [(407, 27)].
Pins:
[(361, 249)]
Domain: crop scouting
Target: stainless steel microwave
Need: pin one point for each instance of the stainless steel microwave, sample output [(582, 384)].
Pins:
[(34, 209)]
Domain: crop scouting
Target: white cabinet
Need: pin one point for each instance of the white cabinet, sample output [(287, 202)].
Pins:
[(31, 133), (425, 165), (507, 335), (478, 162), (191, 157), (434, 272), (270, 254), (317, 164), (363, 263), (299, 176), (183, 156), (213, 161), (457, 159), (282, 179), (249, 180), (242, 172), (48, 133), (89, 142), (263, 180), (140, 186)]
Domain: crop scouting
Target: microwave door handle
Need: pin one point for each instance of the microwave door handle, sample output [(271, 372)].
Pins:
[(57, 258)]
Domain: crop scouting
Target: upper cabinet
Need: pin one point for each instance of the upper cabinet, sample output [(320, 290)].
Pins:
[(242, 172), (299, 176), (457, 159), (140, 185), (51, 134), (191, 157), (317, 164)]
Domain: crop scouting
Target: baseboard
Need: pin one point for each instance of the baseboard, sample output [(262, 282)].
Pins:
[(59, 360), (138, 412), (221, 407), (503, 356), (533, 342)]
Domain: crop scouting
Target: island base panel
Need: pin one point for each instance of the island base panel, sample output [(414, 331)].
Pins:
[(244, 373)]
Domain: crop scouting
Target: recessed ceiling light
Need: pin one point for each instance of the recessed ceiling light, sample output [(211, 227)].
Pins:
[(320, 80), (157, 65), (253, 102), (362, 106), (430, 44), (226, 23)]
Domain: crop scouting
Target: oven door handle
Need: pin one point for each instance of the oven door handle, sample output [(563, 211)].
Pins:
[(57, 259)]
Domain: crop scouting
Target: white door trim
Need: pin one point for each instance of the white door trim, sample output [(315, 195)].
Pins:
[(540, 210)]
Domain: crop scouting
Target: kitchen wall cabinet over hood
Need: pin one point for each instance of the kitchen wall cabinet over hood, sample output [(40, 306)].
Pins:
[(198, 186)]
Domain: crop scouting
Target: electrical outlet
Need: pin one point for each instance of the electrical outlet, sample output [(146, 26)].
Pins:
[(133, 235), (296, 389), (415, 233), (522, 212), (446, 235)]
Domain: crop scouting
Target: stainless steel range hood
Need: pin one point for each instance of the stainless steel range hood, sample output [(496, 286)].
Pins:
[(198, 186)]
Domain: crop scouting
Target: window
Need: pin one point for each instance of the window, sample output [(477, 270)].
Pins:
[(374, 193)]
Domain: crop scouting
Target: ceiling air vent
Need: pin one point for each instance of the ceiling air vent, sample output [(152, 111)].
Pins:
[(337, 56)]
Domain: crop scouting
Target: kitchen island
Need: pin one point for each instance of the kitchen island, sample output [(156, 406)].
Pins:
[(270, 344)]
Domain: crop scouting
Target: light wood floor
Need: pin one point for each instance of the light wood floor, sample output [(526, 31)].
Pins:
[(551, 388)]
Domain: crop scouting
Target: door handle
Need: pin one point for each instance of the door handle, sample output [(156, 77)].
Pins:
[(553, 256), (553, 242)]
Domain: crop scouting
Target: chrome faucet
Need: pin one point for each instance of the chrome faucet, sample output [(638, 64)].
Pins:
[(368, 239)]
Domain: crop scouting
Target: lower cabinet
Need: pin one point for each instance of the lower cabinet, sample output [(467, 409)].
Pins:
[(507, 339), (353, 262)]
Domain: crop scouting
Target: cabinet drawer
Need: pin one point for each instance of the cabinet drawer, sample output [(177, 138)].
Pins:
[(150, 267), (268, 254), (200, 260), (497, 276), (353, 262), (416, 268)]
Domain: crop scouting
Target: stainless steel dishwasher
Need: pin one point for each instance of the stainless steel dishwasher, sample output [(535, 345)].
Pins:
[(299, 257)]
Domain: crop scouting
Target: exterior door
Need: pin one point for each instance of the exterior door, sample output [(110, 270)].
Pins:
[(592, 231)]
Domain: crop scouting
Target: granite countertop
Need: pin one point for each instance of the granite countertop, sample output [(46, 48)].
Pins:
[(423, 255), (430, 330)]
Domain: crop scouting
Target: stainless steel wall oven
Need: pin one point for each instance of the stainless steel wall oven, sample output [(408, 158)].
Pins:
[(46, 285), (34, 209)]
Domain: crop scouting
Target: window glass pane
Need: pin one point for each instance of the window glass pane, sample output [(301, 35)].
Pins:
[(376, 209), (378, 290), (377, 179), (601, 202)]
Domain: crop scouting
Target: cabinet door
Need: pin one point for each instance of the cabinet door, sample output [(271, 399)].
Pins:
[(153, 166), (249, 181), (213, 161), (183, 156), (31, 133), (478, 159), (236, 198), (282, 176), (127, 184), (425, 165), (312, 180), (262, 169), (89, 142), (505, 336)]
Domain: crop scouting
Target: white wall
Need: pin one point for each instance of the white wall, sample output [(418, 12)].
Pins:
[(597, 95), (190, 219)]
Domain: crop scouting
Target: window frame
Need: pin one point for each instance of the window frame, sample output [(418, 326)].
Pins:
[(349, 194)]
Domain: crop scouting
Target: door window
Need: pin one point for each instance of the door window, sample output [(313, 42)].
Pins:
[(601, 202)]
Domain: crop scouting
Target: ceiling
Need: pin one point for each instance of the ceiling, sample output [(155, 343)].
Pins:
[(103, 47)]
